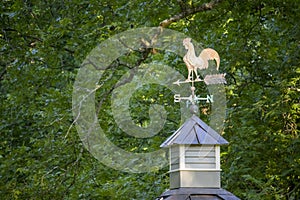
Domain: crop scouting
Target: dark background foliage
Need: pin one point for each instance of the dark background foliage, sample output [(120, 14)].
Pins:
[(42, 45)]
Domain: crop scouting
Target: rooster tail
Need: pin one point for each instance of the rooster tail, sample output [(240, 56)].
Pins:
[(210, 54)]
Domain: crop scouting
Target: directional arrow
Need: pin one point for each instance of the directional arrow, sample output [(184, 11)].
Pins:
[(209, 80), (186, 81), (178, 82)]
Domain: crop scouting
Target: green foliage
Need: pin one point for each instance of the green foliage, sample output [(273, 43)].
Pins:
[(42, 44)]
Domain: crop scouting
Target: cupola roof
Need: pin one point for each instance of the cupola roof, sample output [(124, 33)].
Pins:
[(195, 131)]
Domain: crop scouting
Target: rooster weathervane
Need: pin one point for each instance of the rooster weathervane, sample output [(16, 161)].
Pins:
[(193, 63)]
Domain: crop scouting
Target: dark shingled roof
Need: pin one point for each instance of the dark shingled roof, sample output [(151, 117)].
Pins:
[(195, 131), (197, 194)]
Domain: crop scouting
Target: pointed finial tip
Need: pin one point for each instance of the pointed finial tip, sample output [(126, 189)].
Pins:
[(194, 109)]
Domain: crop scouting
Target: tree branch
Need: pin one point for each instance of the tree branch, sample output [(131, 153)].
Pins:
[(187, 12)]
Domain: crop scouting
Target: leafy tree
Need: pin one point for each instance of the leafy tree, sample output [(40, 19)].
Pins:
[(43, 44)]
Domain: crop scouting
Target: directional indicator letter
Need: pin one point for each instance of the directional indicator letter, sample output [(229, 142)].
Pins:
[(177, 98), (208, 99)]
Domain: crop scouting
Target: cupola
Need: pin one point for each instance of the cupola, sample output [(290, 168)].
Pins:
[(194, 151)]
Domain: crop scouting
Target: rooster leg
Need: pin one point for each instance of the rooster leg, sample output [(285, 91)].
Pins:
[(197, 77), (189, 74)]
